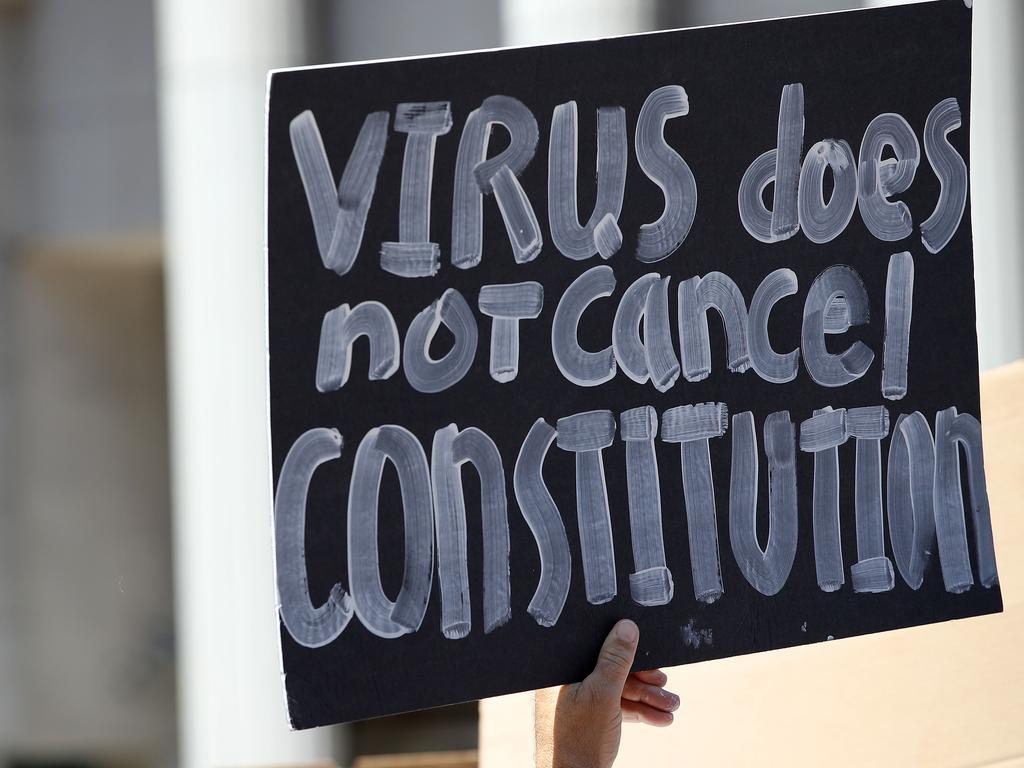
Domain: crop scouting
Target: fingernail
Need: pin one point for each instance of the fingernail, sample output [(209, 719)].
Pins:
[(673, 700), (627, 631)]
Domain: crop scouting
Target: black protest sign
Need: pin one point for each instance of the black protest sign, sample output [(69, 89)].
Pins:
[(678, 327)]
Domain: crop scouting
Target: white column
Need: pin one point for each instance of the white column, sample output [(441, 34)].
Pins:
[(213, 58), (997, 165), (534, 22)]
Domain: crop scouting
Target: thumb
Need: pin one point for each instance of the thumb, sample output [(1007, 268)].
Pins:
[(614, 661)]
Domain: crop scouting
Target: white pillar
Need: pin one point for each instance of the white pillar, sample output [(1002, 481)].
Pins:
[(997, 163), (213, 58), (534, 22)]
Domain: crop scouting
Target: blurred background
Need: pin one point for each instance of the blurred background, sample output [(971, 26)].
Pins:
[(133, 451)]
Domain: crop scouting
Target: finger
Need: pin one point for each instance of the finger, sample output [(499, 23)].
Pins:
[(614, 660), (651, 677), (651, 695), (635, 712)]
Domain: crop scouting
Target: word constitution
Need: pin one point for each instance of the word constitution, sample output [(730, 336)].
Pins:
[(924, 498)]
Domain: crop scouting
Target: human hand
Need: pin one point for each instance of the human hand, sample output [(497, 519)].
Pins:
[(589, 715)]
